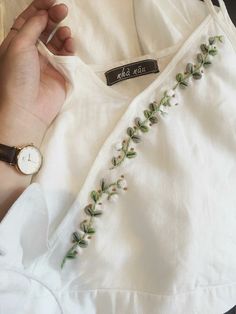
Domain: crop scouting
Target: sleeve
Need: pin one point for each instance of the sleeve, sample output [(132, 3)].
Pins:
[(24, 229)]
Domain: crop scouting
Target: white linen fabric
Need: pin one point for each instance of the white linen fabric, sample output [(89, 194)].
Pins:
[(168, 245)]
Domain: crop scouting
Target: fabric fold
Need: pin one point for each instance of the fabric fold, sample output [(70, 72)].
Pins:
[(24, 229)]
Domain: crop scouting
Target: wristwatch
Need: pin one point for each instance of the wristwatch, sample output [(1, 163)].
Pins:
[(27, 159)]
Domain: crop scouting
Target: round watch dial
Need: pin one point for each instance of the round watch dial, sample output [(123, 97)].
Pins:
[(29, 160)]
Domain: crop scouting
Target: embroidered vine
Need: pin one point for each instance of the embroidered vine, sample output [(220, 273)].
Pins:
[(94, 209), (168, 99), (111, 191)]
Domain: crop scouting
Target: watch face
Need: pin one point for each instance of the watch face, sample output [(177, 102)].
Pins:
[(29, 160)]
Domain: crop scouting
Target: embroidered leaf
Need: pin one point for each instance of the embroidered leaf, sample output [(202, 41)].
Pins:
[(183, 84), (72, 254), (83, 243), (91, 230), (131, 154), (179, 77), (88, 210), (137, 121), (130, 131), (182, 81), (147, 114), (114, 161), (204, 48), (97, 213), (213, 52), (221, 38), (144, 128), (75, 237), (153, 119), (197, 75), (153, 106), (136, 138), (207, 63), (189, 68), (84, 227), (212, 40), (94, 195), (103, 184), (199, 57), (164, 101)]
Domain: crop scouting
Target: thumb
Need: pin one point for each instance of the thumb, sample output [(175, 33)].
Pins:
[(32, 29)]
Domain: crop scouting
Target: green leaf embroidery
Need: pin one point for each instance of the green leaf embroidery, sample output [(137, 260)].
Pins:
[(136, 138), (197, 75), (97, 213), (153, 106), (212, 40), (204, 48), (131, 154), (153, 119), (83, 243), (147, 114), (72, 255), (130, 131), (191, 70), (75, 237), (144, 128), (91, 230), (94, 195), (200, 57), (179, 77), (183, 84), (137, 121), (88, 210)]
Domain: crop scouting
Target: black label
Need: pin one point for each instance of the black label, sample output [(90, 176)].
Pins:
[(131, 70)]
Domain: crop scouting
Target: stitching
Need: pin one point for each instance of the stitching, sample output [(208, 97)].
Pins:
[(29, 276), (199, 289)]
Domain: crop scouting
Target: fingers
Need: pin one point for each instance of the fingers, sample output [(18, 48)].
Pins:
[(61, 42), (32, 26), (56, 14), (31, 30), (69, 48), (35, 6)]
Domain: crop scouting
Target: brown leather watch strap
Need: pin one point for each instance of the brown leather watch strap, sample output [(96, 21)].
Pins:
[(8, 154)]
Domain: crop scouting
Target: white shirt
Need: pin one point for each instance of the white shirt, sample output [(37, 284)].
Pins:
[(167, 244)]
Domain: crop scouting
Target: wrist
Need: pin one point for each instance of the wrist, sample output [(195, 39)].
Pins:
[(19, 127)]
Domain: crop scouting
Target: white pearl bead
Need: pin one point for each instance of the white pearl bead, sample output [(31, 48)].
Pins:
[(162, 108), (123, 183), (170, 93), (99, 206), (113, 198), (173, 101), (118, 146)]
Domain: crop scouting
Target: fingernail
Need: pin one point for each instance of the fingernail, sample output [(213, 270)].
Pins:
[(42, 12)]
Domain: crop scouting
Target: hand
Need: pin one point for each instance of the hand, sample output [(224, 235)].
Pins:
[(30, 88), (31, 91)]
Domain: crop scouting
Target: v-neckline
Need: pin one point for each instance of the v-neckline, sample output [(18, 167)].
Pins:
[(183, 45), (77, 61)]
